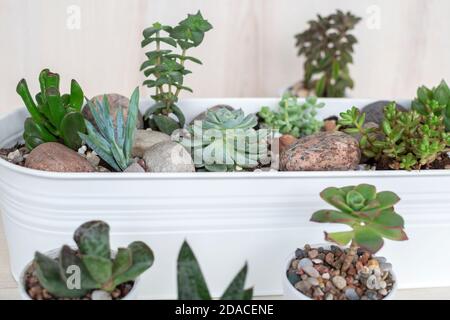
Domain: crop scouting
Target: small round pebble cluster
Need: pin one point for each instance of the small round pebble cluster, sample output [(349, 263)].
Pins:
[(316, 272)]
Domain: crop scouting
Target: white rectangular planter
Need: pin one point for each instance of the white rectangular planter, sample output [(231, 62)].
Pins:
[(228, 218)]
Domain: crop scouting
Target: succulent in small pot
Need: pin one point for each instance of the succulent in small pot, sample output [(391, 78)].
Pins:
[(332, 272), (226, 141), (91, 271), (192, 284), (327, 46), (166, 69), (54, 117)]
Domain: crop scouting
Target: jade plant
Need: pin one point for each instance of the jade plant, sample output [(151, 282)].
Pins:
[(226, 141), (428, 98), (97, 268), (192, 284), (166, 69), (294, 117), (369, 214), (113, 141), (54, 117), (327, 46), (405, 140)]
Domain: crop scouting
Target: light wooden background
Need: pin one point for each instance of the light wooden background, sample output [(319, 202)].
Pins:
[(250, 52)]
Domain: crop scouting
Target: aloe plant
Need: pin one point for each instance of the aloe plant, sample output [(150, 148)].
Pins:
[(192, 284), (369, 214), (113, 142), (54, 117), (226, 140), (98, 270), (166, 69)]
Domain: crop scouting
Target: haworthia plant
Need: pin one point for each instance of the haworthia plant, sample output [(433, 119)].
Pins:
[(369, 214), (98, 270), (192, 284), (166, 69), (327, 46), (113, 142), (54, 117)]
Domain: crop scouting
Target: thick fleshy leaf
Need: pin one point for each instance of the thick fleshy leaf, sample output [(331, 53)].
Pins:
[(71, 125), (332, 216), (141, 259), (48, 273), (387, 199), (389, 219), (341, 238), (191, 283), (57, 110), (336, 197), (130, 127), (92, 238), (368, 191), (99, 268), (355, 200), (69, 258), (76, 95), (395, 234), (122, 261), (235, 290), (166, 124), (368, 239)]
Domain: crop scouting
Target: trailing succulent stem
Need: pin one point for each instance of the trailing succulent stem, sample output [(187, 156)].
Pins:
[(192, 284), (294, 117), (166, 69), (328, 47), (409, 140), (427, 99), (113, 142), (369, 214), (54, 117), (226, 141), (98, 270)]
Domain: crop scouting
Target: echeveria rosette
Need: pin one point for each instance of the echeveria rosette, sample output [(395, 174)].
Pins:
[(369, 214), (98, 270)]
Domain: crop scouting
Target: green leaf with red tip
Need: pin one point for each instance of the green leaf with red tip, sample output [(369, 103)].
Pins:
[(387, 199), (368, 239), (332, 216), (395, 234), (341, 238), (389, 219)]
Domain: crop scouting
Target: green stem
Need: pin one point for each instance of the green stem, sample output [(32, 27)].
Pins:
[(183, 54)]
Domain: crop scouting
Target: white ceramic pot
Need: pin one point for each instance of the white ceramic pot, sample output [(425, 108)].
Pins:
[(291, 293), (243, 215), (132, 295)]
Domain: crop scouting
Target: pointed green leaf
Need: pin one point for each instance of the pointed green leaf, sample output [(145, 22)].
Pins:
[(235, 290), (368, 239), (341, 238), (99, 268), (92, 238)]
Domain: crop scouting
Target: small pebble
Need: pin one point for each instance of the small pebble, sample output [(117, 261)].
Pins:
[(313, 281), (385, 266), (305, 262), (101, 295), (373, 264), (303, 286), (312, 254), (383, 292), (329, 296), (294, 264), (317, 261), (318, 293), (372, 282), (351, 294), (311, 271), (339, 282), (326, 276), (299, 254)]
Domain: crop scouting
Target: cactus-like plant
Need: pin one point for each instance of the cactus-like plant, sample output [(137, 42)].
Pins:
[(113, 142), (167, 69), (328, 47), (428, 98), (54, 117), (98, 270), (407, 140), (226, 140), (294, 117), (369, 214), (192, 284)]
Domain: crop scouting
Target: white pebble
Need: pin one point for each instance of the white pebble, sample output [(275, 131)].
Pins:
[(100, 295)]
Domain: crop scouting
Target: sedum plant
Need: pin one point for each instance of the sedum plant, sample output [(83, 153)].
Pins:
[(226, 141), (166, 69), (408, 140), (370, 215), (327, 46), (428, 98), (98, 270), (294, 117), (54, 117), (113, 142), (192, 284)]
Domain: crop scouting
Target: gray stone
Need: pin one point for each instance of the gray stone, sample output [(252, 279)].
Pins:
[(100, 295), (15, 156), (168, 157), (134, 168), (311, 271), (314, 282), (145, 139), (351, 294), (305, 262), (323, 151), (339, 282), (303, 286), (372, 283), (375, 111)]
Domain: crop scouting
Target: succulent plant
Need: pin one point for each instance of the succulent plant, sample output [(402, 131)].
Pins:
[(98, 270), (226, 140), (167, 69), (54, 117), (369, 214), (328, 47), (192, 284), (407, 140), (113, 141), (294, 117), (428, 98)]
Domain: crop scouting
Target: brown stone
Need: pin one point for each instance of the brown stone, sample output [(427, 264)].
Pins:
[(323, 151), (52, 156), (285, 141), (115, 101)]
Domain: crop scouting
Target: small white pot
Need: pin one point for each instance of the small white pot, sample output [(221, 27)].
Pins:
[(132, 295), (291, 293)]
